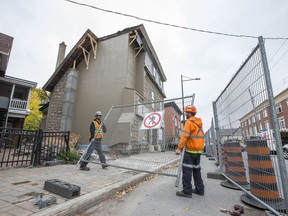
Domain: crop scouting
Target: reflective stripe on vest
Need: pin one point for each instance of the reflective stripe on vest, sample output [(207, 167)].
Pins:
[(197, 134), (194, 152), (98, 130)]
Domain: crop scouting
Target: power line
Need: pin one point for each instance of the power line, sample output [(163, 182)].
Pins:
[(278, 50), (172, 25), (279, 59)]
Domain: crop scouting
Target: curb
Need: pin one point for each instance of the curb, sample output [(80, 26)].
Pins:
[(82, 203)]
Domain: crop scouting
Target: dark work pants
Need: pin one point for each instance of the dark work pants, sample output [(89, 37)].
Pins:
[(95, 145), (191, 165)]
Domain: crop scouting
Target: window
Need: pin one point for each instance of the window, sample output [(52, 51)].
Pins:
[(260, 127), (249, 121), (278, 108), (267, 125), (265, 113), (250, 131), (281, 122), (141, 110), (154, 71), (255, 130), (246, 132), (258, 116), (253, 119)]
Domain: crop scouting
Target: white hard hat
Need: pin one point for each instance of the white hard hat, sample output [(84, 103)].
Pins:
[(98, 113)]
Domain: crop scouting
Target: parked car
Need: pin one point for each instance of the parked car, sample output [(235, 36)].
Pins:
[(285, 151)]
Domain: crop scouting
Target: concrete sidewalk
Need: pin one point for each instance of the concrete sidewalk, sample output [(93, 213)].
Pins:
[(20, 186)]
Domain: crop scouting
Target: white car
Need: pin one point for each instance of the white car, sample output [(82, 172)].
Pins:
[(285, 151)]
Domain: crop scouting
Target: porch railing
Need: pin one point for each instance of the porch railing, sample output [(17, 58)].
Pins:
[(18, 104)]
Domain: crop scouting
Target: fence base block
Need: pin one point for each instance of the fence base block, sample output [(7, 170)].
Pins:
[(278, 204), (62, 188), (230, 185), (215, 175)]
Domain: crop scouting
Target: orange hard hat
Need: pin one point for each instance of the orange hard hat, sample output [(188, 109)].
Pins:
[(191, 109)]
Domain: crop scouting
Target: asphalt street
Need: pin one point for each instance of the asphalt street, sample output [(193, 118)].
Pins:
[(156, 196), (20, 188)]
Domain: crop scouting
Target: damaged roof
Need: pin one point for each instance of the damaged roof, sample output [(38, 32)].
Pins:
[(76, 54)]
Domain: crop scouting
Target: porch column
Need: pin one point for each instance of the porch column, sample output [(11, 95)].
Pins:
[(11, 97)]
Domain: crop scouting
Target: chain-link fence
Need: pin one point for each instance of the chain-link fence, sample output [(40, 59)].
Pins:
[(247, 131)]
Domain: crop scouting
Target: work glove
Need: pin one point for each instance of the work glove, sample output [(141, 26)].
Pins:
[(104, 127)]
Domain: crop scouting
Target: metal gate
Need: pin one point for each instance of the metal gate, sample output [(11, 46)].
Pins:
[(26, 147)]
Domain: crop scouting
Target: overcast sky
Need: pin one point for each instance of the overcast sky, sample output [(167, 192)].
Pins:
[(39, 26)]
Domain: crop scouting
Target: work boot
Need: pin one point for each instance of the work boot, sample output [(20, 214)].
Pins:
[(105, 166), (198, 192), (182, 194), (85, 168)]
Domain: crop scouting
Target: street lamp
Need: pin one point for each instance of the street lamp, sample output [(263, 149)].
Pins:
[(184, 79)]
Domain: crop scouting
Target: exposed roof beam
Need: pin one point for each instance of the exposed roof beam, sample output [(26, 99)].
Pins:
[(132, 37), (93, 44), (138, 50), (86, 55)]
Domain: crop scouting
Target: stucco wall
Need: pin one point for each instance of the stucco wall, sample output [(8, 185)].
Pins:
[(102, 85)]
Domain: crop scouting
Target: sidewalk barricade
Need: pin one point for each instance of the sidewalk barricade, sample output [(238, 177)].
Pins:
[(234, 166), (262, 176)]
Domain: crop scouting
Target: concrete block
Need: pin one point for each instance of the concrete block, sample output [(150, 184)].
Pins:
[(62, 188), (215, 175)]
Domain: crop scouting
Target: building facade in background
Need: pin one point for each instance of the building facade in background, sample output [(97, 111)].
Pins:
[(15, 93), (259, 123), (172, 118)]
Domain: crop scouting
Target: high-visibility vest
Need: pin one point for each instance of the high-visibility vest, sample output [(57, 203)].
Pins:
[(98, 130), (195, 141)]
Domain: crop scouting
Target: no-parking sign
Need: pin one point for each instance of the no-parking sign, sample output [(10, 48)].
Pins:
[(152, 120)]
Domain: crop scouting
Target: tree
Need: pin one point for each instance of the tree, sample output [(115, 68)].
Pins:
[(32, 121)]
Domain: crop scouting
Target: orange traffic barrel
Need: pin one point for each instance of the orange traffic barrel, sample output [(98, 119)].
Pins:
[(263, 182), (223, 156), (234, 165)]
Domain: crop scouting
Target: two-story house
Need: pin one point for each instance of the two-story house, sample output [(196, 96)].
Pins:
[(99, 73), (14, 92)]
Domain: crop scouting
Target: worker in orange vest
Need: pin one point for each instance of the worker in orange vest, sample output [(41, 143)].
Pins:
[(97, 129), (193, 139)]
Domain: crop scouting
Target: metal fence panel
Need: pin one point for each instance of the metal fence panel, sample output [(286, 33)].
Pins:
[(210, 142), (144, 136), (245, 119)]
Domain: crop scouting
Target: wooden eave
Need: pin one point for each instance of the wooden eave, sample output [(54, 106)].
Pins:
[(74, 57)]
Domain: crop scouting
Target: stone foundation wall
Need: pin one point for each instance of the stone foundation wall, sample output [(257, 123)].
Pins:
[(53, 121)]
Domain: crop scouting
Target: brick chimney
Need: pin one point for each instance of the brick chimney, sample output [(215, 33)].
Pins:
[(61, 53)]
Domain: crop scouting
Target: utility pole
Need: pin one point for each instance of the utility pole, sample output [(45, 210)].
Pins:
[(184, 79)]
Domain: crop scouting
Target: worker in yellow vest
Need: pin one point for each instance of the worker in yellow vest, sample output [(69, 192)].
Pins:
[(193, 139), (97, 129)]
